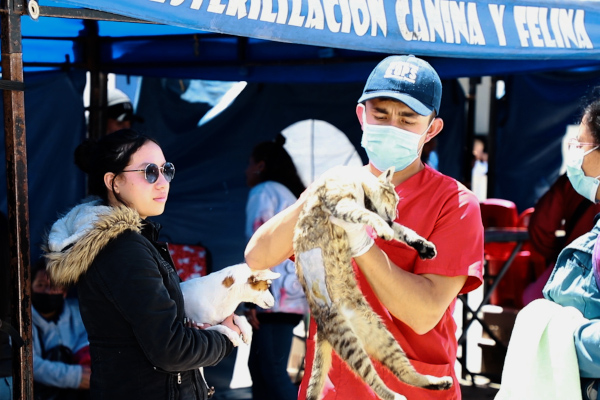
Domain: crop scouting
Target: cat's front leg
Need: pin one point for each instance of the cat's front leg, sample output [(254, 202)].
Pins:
[(425, 248), (349, 210)]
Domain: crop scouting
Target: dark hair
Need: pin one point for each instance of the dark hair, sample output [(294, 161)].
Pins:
[(111, 153), (279, 166), (591, 114), (39, 265)]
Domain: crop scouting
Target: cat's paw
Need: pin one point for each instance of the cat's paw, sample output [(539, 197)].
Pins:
[(425, 248), (384, 231), (439, 383)]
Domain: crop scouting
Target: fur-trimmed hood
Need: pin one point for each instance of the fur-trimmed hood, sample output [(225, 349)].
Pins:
[(75, 240)]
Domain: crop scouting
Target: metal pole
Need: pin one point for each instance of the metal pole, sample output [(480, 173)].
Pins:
[(98, 82), (491, 143), (17, 196), (468, 154)]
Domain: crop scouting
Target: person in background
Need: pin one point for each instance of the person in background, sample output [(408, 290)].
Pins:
[(119, 112), (575, 278), (479, 168), (61, 357), (399, 112), (275, 185), (141, 344), (560, 216)]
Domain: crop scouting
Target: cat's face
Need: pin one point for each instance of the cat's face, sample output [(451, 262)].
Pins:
[(381, 196)]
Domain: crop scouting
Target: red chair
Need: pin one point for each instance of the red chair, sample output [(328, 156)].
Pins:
[(498, 213), (524, 217), (501, 213)]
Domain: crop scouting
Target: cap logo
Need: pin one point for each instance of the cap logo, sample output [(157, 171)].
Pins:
[(403, 71)]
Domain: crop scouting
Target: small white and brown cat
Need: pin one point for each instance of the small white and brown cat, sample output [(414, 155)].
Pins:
[(345, 321)]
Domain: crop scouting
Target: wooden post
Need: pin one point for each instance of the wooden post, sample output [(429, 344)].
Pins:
[(17, 196)]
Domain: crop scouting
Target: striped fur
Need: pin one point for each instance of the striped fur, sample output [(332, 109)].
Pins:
[(345, 321)]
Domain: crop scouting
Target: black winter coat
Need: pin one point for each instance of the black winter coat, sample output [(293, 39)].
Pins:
[(133, 311)]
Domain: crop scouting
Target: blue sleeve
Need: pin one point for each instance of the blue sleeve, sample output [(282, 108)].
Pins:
[(53, 373), (587, 346)]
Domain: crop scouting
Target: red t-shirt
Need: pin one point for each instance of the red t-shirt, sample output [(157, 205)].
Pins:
[(442, 210)]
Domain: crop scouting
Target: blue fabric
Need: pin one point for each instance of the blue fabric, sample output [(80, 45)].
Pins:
[(67, 331), (572, 283), (55, 125), (6, 388), (183, 52), (488, 28)]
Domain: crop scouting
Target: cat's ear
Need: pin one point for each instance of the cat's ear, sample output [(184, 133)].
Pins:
[(387, 175)]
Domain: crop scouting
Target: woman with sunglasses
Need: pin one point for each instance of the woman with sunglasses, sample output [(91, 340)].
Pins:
[(131, 304), (575, 279)]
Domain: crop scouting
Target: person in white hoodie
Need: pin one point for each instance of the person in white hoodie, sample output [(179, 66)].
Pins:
[(61, 361)]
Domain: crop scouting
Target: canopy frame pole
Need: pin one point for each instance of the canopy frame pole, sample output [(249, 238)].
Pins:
[(468, 151), (492, 135), (98, 82), (17, 194)]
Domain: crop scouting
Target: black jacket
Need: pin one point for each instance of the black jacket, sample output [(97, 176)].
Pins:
[(5, 355), (132, 308)]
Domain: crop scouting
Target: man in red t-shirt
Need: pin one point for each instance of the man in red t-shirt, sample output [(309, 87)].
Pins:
[(415, 298)]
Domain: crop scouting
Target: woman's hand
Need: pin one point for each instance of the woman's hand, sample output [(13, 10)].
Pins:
[(193, 324), (228, 322), (86, 372)]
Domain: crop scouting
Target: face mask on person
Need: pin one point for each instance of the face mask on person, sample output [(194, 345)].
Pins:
[(586, 186), (46, 303), (388, 146)]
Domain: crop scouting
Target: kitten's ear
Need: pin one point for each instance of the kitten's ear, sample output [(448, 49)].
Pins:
[(388, 174)]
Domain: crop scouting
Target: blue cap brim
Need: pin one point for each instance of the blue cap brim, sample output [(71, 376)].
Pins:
[(410, 101)]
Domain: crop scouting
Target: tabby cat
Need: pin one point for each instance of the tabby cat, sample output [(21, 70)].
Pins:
[(345, 321)]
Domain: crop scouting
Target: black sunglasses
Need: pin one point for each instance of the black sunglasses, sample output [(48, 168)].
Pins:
[(152, 170)]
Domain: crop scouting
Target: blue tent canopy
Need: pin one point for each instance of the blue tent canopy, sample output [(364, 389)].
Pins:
[(308, 40), (506, 29)]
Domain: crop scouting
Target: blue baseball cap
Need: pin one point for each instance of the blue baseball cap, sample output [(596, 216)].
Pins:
[(408, 79)]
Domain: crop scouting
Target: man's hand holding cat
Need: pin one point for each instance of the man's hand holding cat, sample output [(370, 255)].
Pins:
[(358, 238)]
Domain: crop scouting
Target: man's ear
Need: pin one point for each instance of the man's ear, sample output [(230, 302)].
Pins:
[(360, 110), (435, 128), (109, 177)]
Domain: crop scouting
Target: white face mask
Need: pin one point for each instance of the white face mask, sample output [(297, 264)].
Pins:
[(586, 186), (388, 146)]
